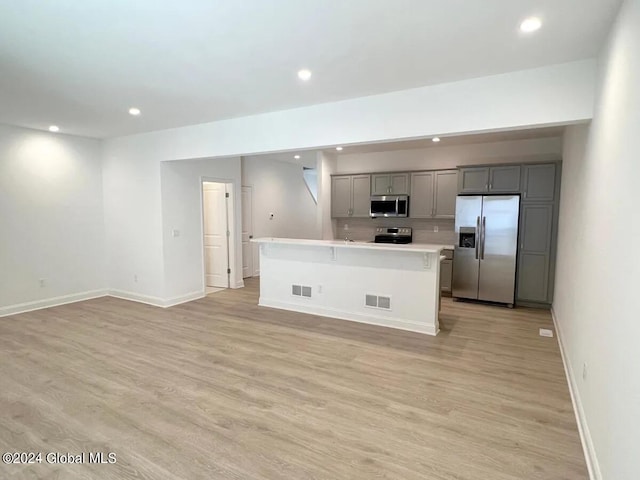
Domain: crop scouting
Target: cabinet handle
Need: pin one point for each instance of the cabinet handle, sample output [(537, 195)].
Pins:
[(491, 186), (486, 186), (525, 194)]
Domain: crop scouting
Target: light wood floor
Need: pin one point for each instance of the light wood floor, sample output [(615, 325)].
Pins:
[(222, 389)]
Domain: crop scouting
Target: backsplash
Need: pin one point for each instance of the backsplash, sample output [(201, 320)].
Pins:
[(364, 229)]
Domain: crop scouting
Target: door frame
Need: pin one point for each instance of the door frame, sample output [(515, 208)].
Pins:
[(234, 278), (254, 270)]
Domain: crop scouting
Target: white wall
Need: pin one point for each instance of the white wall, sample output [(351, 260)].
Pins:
[(442, 156), (556, 94), (181, 194), (133, 219), (279, 188), (50, 218), (326, 165), (597, 306)]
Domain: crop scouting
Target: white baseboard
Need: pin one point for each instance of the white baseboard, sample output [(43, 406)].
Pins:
[(79, 297), (157, 301), (189, 297), (239, 284), (353, 317), (136, 297), (50, 302), (583, 428)]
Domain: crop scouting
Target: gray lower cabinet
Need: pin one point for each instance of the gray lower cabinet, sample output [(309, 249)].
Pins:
[(536, 224), (539, 183), (498, 179), (390, 184), (421, 201), (446, 271), (533, 274), (350, 195)]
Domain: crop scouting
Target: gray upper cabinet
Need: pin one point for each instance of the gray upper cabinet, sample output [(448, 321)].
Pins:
[(361, 195), (400, 184), (350, 195), (341, 196), (390, 184), (500, 179), (473, 180), (421, 202), (433, 194), (536, 223), (446, 191), (539, 183), (504, 179)]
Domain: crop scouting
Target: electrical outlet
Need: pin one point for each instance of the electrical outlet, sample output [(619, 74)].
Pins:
[(319, 288), (43, 283), (545, 332), (435, 228), (346, 226), (584, 371)]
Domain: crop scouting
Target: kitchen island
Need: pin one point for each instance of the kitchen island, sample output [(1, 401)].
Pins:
[(390, 285)]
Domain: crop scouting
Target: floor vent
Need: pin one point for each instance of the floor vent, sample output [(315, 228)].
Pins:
[(545, 332), (301, 291), (376, 301)]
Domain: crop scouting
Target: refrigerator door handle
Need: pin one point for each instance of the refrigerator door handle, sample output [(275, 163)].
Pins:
[(484, 237), (477, 235)]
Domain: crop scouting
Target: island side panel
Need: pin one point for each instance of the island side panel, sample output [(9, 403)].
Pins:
[(340, 278)]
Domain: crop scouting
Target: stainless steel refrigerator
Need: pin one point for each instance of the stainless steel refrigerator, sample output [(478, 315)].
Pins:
[(484, 263)]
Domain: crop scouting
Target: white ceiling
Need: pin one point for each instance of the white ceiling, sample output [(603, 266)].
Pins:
[(81, 64), (308, 158), (475, 138)]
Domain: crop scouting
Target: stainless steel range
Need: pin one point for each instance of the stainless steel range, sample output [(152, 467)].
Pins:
[(393, 235)]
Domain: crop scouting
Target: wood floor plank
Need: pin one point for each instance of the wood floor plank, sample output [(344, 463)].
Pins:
[(220, 388)]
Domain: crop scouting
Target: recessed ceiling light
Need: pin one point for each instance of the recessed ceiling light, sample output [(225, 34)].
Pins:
[(297, 157), (304, 74), (134, 111), (339, 149), (54, 128), (435, 139), (530, 24)]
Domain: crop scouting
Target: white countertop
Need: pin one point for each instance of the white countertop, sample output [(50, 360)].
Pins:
[(448, 247), (411, 247)]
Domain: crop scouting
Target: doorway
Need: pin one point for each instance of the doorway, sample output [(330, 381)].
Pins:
[(216, 235)]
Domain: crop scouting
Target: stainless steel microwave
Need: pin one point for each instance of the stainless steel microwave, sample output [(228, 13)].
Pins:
[(389, 206)]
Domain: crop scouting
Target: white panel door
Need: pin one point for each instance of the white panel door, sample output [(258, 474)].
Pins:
[(216, 246), (247, 232)]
